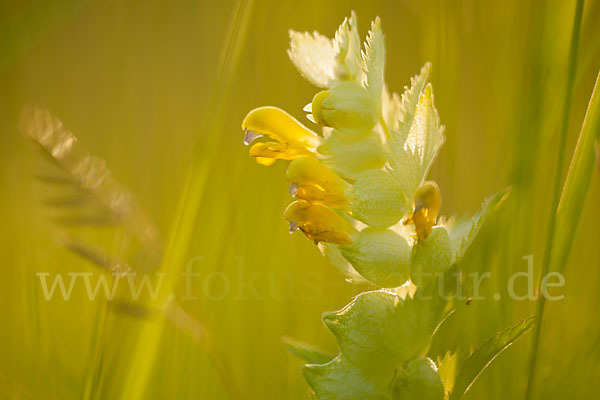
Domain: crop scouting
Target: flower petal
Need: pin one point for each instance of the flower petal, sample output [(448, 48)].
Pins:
[(293, 140), (314, 182), (320, 223)]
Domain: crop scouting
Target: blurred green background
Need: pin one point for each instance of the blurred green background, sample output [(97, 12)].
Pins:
[(136, 81)]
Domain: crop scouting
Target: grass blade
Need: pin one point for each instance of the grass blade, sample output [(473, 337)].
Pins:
[(577, 183), (147, 349), (306, 352), (483, 356), (555, 194)]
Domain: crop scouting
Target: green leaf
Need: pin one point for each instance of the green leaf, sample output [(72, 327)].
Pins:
[(378, 199), (324, 61), (314, 56), (347, 47), (306, 352), (379, 330), (419, 137), (419, 380), (349, 155), (374, 61), (464, 230), (426, 135), (406, 106), (381, 256), (339, 379), (483, 356)]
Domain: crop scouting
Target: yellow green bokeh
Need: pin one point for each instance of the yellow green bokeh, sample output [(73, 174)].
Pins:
[(157, 87)]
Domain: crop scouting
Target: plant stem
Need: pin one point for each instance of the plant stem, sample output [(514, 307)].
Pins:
[(541, 302)]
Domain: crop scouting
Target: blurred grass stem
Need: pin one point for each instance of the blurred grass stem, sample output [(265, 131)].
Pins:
[(540, 305)]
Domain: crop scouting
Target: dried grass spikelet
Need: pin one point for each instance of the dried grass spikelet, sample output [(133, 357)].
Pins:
[(91, 175)]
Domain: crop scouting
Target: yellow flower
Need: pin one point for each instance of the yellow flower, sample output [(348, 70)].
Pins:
[(292, 139), (426, 206), (319, 223), (315, 183)]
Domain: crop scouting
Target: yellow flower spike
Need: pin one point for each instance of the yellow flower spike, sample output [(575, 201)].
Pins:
[(292, 139), (319, 223), (315, 183), (426, 206)]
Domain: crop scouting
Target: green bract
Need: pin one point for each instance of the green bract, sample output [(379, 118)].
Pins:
[(334, 257), (347, 106), (418, 380), (377, 199), (381, 256), (349, 155), (432, 256)]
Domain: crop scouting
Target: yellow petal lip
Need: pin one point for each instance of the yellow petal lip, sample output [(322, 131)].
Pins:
[(319, 223), (277, 150), (292, 139), (312, 181), (277, 124)]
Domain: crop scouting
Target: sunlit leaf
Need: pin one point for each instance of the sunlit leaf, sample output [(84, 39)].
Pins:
[(347, 48), (374, 61), (379, 330), (419, 137), (314, 56), (401, 109)]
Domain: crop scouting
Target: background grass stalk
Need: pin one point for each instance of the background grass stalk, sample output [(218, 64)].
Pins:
[(540, 305), (186, 217)]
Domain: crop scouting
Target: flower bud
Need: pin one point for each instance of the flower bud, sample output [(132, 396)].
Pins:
[(347, 107), (426, 206), (381, 256)]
